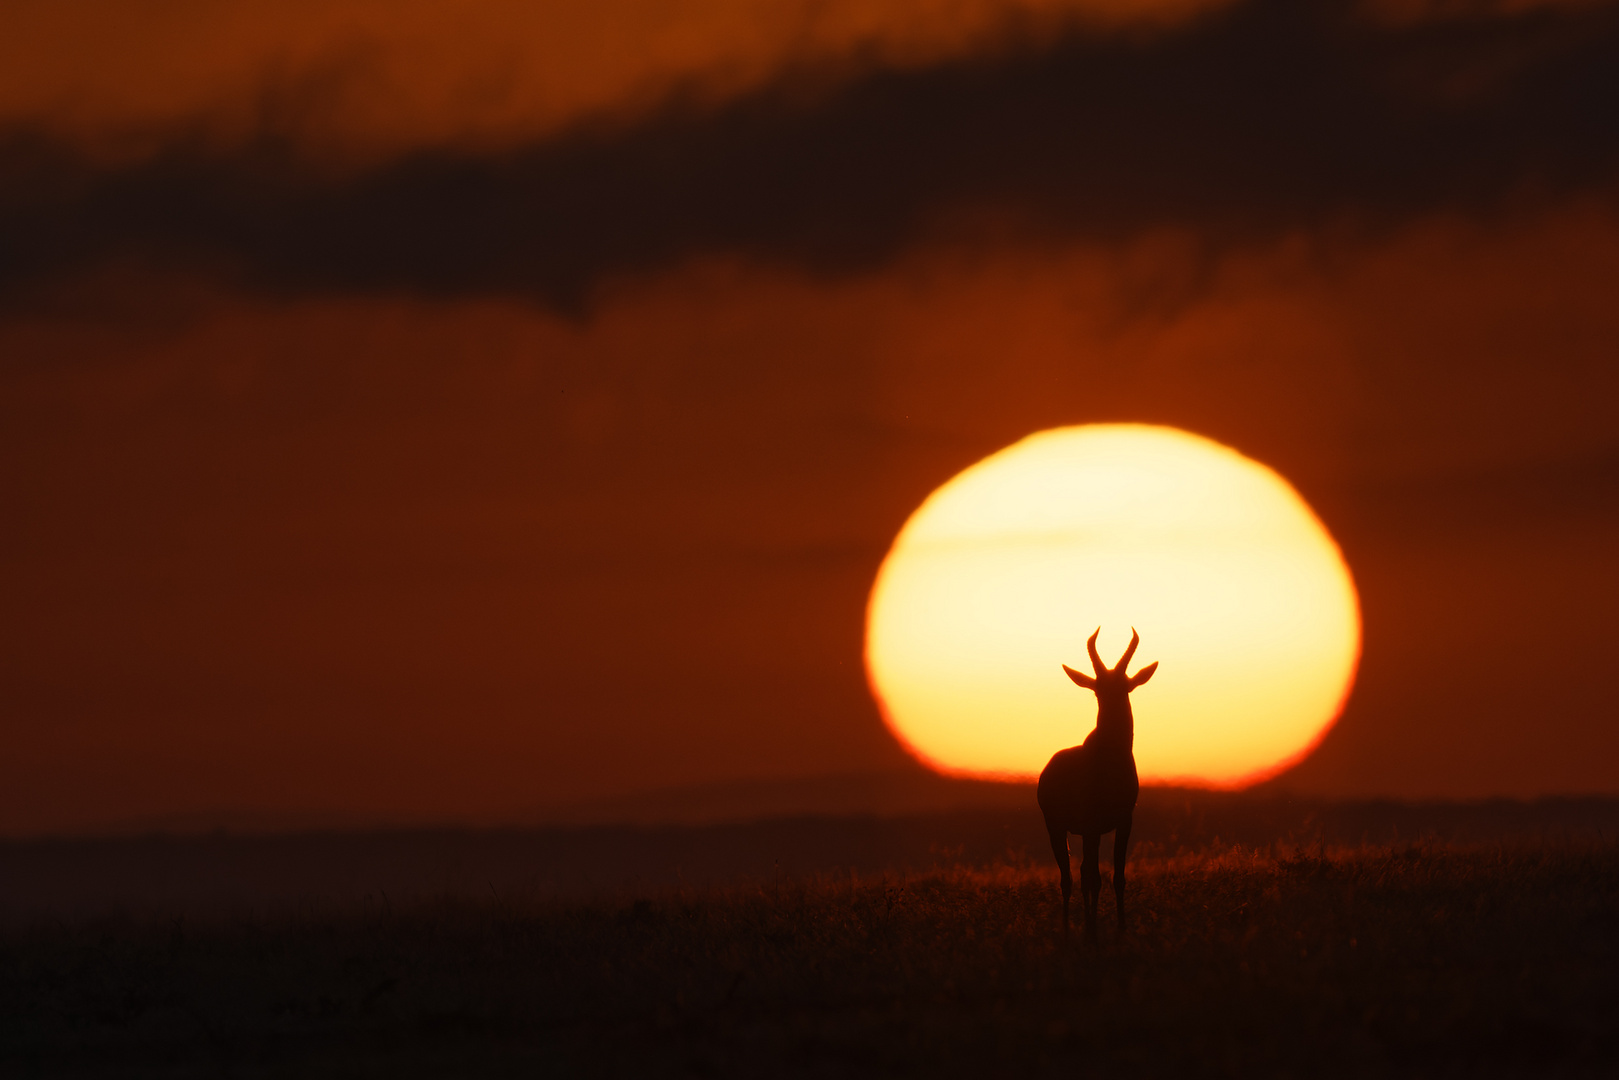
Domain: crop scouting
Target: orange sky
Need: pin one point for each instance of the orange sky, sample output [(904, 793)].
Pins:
[(366, 77), (389, 545)]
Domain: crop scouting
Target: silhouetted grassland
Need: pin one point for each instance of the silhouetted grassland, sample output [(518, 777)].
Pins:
[(1424, 959)]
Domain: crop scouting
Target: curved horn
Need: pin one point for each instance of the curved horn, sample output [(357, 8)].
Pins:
[(1124, 661), (1096, 659)]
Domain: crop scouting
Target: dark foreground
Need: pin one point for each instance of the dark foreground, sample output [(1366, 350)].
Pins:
[(1405, 959)]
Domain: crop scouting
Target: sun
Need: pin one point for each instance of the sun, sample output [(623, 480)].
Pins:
[(998, 578)]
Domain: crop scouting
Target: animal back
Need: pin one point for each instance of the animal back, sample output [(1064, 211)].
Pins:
[(1085, 791)]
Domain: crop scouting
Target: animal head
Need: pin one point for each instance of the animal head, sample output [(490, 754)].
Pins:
[(1112, 684)]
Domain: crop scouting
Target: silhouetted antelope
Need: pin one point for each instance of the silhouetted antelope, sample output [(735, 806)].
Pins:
[(1091, 789)]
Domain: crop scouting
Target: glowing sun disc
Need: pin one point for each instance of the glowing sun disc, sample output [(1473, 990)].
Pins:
[(1002, 573)]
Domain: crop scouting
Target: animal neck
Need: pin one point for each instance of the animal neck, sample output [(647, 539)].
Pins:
[(1115, 724)]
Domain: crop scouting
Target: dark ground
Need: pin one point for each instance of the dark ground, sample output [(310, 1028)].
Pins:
[(161, 876), (1306, 940)]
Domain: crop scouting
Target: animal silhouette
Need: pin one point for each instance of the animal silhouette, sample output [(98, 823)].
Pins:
[(1091, 789)]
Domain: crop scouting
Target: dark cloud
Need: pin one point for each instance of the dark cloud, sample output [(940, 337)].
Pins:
[(1267, 116)]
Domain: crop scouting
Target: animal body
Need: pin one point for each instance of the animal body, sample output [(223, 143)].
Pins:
[(1090, 790)]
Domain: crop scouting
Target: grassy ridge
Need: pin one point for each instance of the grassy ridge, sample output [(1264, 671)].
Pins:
[(201, 874), (1426, 959)]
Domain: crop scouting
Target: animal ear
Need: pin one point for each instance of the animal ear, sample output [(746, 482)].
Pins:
[(1081, 678), (1143, 675)]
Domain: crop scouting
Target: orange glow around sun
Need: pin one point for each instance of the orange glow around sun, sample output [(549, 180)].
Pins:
[(999, 577)]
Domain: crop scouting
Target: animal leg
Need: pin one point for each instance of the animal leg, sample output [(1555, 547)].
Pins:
[(1121, 844), (1090, 880), (1059, 848)]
